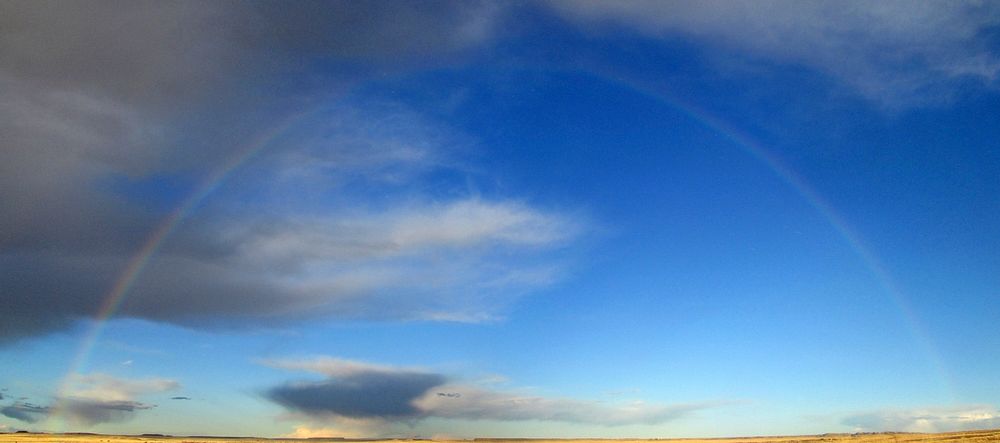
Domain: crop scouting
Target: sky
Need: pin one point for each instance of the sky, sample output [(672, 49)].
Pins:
[(499, 219)]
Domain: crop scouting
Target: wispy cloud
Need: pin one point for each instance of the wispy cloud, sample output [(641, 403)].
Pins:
[(374, 397), (931, 419), (894, 52)]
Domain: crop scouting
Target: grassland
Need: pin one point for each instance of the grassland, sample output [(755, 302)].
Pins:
[(951, 437)]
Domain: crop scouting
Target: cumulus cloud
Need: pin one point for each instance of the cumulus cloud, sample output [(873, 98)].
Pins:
[(373, 397), (932, 419), (93, 399), (103, 129), (308, 432), (895, 52)]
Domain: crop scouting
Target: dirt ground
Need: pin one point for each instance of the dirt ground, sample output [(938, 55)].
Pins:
[(952, 437)]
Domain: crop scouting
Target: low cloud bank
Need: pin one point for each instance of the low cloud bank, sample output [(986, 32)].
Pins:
[(372, 397), (932, 419), (93, 399)]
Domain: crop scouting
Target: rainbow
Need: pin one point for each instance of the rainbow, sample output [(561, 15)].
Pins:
[(113, 300), (868, 257), (151, 246)]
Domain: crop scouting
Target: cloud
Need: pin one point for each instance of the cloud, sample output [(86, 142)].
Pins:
[(105, 133), (25, 412), (895, 52), (474, 403), (932, 419), (107, 388), (374, 397), (308, 432), (93, 399), (91, 412), (180, 398), (354, 389)]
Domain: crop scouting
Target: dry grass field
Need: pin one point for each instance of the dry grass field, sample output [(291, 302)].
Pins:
[(952, 437)]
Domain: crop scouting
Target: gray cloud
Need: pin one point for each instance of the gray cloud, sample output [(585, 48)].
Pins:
[(25, 412), (363, 395), (91, 412), (152, 52), (895, 52), (83, 411), (932, 419), (106, 98), (354, 390), (368, 396)]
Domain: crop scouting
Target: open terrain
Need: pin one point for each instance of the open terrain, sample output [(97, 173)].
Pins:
[(952, 437)]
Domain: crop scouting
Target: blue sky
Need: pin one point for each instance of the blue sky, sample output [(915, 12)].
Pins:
[(565, 218)]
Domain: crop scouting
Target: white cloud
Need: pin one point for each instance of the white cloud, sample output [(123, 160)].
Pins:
[(105, 387), (331, 367), (457, 225), (931, 419), (895, 52), (309, 432), (476, 403)]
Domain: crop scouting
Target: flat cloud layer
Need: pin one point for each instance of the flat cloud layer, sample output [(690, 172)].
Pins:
[(364, 393), (932, 419), (25, 412), (93, 399)]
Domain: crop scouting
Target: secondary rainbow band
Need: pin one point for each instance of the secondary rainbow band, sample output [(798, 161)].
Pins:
[(141, 258), (135, 266), (813, 198)]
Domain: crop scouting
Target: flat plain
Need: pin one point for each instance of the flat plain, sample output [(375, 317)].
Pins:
[(883, 437)]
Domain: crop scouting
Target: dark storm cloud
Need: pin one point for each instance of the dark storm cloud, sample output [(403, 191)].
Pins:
[(25, 412), (109, 96), (151, 52), (368, 394)]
